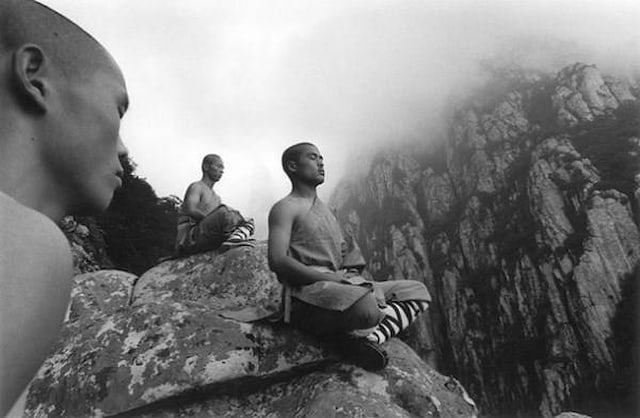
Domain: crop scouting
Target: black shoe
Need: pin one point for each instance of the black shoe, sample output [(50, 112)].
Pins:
[(364, 353)]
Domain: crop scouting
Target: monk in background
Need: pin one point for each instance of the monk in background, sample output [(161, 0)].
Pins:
[(325, 293), (204, 222), (61, 100)]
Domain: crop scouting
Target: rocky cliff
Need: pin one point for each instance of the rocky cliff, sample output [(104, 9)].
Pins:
[(523, 223), (171, 343)]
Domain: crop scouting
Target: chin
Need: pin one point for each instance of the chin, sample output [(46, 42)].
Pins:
[(97, 204), (106, 203)]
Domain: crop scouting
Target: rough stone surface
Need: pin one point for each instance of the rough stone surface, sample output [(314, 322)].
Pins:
[(520, 239), (238, 280), (582, 94), (164, 345), (406, 388), (87, 244), (104, 292)]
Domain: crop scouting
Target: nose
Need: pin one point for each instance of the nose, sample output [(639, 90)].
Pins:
[(122, 152)]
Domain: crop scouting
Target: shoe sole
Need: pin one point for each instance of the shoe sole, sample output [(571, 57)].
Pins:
[(366, 354), (229, 245)]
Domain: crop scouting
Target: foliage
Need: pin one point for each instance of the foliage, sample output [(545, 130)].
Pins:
[(139, 227), (539, 108), (606, 143)]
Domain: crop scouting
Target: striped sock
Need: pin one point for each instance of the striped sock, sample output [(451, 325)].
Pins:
[(242, 232), (398, 316)]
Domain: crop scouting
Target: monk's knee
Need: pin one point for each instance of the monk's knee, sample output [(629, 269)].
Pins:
[(412, 285), (365, 313), (407, 290)]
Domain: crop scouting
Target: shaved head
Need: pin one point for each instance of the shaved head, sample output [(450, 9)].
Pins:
[(293, 154), (209, 159), (76, 53)]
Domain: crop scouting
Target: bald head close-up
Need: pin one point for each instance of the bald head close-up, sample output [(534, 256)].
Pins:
[(64, 92), (72, 49), (61, 100)]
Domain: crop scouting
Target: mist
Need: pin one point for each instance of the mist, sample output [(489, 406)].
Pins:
[(245, 79)]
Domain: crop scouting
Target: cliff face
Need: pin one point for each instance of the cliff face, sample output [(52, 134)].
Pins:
[(524, 226)]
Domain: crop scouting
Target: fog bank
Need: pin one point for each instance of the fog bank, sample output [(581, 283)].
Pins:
[(245, 79)]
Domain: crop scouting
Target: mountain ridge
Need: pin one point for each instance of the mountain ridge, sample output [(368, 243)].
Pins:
[(525, 229)]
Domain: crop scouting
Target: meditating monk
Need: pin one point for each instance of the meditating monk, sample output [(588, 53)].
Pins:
[(204, 222), (61, 100), (324, 291)]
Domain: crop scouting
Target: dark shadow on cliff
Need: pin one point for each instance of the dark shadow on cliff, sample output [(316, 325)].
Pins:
[(618, 395), (626, 383)]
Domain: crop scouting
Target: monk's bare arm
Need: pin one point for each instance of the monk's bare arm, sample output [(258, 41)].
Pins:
[(35, 271), (281, 219), (191, 203)]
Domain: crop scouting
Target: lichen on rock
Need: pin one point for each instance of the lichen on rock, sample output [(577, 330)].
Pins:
[(168, 344)]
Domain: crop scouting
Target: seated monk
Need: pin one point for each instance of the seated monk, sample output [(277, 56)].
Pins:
[(204, 222), (61, 100), (324, 291)]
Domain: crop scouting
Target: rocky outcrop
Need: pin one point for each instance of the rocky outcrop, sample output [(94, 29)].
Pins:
[(404, 389), (87, 243), (525, 236), (582, 94), (173, 343)]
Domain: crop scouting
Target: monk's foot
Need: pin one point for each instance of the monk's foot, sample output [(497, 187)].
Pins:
[(364, 353), (234, 243), (242, 232)]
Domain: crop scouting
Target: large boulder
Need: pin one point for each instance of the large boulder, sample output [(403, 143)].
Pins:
[(406, 388), (173, 344), (230, 282)]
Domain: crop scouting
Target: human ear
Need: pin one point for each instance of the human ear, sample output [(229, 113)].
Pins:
[(29, 70), (291, 166)]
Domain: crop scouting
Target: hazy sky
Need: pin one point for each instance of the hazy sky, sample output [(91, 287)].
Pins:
[(245, 79)]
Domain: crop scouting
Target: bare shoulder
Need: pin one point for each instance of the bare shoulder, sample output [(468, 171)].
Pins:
[(196, 187), (289, 206), (35, 282), (30, 243)]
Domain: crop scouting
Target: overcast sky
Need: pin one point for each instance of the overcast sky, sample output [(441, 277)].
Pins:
[(245, 79)]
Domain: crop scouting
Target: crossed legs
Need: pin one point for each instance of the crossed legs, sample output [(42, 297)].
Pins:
[(366, 318), (221, 225)]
